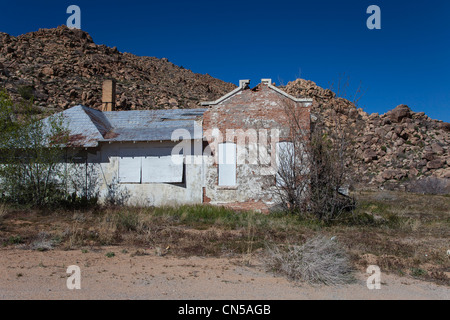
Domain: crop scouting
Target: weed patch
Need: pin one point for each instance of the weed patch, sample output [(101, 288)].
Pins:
[(319, 260)]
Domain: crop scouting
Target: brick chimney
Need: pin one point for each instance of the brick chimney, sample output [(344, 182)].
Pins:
[(109, 95)]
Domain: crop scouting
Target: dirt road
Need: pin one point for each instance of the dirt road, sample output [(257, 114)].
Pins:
[(28, 274)]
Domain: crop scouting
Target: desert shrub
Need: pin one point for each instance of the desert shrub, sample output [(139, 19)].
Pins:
[(418, 272), (43, 242), (430, 185), (26, 92), (312, 169), (128, 220), (76, 202), (319, 260), (117, 195), (14, 240), (31, 154)]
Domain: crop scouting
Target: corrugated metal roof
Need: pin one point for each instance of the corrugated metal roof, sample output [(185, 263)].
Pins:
[(83, 131), (88, 126)]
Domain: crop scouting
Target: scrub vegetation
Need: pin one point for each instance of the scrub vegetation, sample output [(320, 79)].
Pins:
[(403, 233)]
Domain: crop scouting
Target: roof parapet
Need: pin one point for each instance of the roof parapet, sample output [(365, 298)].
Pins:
[(243, 84), (268, 82)]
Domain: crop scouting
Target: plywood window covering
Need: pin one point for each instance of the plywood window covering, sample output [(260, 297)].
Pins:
[(156, 165), (164, 169), (130, 169)]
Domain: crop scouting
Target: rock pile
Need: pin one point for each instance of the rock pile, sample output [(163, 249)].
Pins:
[(62, 68), (400, 145)]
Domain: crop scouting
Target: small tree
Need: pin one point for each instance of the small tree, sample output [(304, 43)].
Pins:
[(312, 168), (329, 171), (31, 153), (293, 161)]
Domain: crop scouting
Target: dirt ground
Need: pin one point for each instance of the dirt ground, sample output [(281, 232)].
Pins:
[(30, 275)]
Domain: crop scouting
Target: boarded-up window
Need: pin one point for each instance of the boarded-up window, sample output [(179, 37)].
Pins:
[(167, 169), (130, 169), (227, 164), (156, 165)]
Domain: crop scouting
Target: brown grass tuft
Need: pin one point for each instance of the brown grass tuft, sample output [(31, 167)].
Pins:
[(318, 261)]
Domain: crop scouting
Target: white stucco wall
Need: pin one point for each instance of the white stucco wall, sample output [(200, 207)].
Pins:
[(251, 185), (147, 194)]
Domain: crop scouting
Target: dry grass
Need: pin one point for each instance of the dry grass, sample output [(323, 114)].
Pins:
[(403, 233), (44, 242), (430, 185), (320, 260)]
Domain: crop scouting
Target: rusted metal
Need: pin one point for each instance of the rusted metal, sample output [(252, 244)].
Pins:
[(87, 127)]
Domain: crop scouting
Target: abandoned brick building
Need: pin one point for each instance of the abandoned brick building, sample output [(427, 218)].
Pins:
[(222, 154)]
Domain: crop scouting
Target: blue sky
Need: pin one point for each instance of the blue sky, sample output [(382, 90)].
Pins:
[(406, 62)]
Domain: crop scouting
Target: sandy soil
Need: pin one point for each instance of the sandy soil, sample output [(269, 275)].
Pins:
[(28, 274)]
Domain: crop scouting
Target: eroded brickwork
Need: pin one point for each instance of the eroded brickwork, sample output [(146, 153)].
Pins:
[(250, 109)]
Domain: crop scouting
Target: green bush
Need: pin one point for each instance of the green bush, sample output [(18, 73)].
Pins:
[(31, 155), (26, 92), (418, 272), (15, 240)]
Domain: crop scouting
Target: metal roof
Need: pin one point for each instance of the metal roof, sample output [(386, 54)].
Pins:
[(83, 130), (88, 126)]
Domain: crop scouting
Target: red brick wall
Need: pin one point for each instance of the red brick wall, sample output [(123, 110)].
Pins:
[(261, 108), (249, 109)]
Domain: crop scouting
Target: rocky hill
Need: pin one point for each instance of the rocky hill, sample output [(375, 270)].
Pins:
[(61, 68), (398, 146)]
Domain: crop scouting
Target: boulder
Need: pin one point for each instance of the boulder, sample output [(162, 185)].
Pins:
[(435, 164), (443, 174), (437, 148), (399, 113), (370, 155), (47, 71), (413, 172), (422, 163), (429, 156), (393, 174), (445, 126), (173, 102)]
